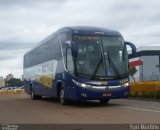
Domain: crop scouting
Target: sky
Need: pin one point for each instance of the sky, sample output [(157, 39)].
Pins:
[(23, 23)]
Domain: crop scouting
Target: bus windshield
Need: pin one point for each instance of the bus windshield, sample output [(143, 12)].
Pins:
[(101, 56)]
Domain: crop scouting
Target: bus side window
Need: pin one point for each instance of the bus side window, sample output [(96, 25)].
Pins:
[(54, 49)]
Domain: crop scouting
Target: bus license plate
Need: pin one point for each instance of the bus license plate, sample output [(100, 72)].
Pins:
[(107, 95)]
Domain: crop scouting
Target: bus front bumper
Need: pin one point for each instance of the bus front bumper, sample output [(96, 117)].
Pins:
[(100, 92)]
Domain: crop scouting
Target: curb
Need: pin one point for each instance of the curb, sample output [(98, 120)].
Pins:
[(144, 99)]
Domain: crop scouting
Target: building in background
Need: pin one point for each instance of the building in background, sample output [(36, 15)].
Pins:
[(147, 63), (2, 82)]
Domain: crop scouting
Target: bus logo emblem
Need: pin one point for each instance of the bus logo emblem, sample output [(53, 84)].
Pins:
[(104, 83)]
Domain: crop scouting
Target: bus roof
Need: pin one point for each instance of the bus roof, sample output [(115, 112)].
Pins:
[(88, 30), (81, 30)]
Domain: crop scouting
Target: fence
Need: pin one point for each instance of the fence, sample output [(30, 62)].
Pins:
[(153, 77)]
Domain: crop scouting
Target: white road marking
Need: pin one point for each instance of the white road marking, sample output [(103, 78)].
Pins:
[(141, 109)]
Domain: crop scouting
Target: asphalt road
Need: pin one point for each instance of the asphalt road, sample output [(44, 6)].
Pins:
[(20, 109)]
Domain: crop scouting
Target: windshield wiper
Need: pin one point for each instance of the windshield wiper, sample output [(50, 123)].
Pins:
[(97, 67), (112, 65)]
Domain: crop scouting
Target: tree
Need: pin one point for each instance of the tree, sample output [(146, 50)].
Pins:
[(14, 82), (132, 72)]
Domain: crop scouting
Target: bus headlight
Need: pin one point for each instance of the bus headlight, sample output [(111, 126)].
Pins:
[(125, 84), (81, 84)]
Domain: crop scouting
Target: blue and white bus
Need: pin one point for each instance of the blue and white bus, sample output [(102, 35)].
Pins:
[(79, 63)]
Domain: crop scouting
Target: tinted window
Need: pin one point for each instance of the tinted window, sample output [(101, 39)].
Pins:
[(49, 50)]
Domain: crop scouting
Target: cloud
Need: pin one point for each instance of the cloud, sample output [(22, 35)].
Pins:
[(24, 23), (12, 54), (13, 66), (12, 62), (29, 3), (14, 46)]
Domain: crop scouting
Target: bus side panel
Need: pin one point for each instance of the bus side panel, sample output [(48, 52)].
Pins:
[(70, 88), (51, 91), (40, 88), (27, 86), (57, 76), (40, 77)]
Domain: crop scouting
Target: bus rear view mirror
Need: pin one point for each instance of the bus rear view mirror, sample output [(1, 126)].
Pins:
[(133, 47), (67, 44), (72, 45), (74, 49)]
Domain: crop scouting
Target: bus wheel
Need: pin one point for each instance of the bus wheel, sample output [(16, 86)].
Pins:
[(62, 100), (35, 97), (104, 101)]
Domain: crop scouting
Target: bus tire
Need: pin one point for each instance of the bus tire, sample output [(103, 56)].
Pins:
[(62, 100), (35, 97), (104, 101)]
